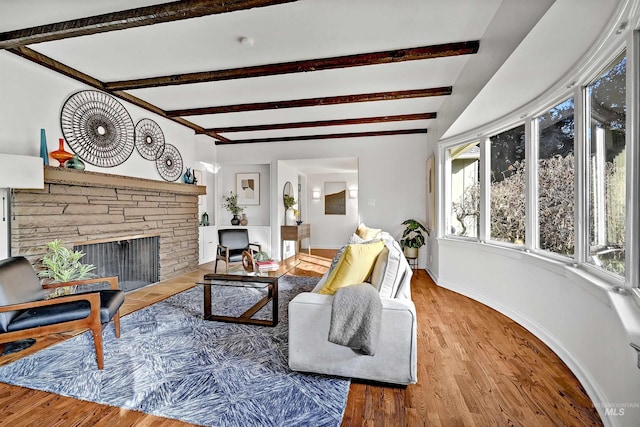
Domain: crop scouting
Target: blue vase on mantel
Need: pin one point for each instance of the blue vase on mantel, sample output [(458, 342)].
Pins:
[(189, 177), (44, 152)]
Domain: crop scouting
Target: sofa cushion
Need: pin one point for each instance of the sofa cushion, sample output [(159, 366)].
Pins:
[(110, 302), (50, 315), (379, 268), (392, 272), (367, 233), (354, 266), (357, 239)]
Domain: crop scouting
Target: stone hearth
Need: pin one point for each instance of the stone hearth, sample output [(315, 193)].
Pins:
[(78, 207)]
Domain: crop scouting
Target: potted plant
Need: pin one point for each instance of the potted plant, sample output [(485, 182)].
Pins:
[(231, 204), (60, 264), (289, 215), (412, 237), (289, 201)]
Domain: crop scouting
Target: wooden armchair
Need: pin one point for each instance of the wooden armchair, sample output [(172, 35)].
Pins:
[(25, 313), (231, 243)]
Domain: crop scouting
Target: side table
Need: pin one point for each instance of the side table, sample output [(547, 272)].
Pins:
[(297, 233)]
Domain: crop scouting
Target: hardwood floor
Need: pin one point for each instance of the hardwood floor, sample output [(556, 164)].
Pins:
[(476, 367)]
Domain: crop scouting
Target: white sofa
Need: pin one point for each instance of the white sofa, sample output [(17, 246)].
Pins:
[(395, 359)]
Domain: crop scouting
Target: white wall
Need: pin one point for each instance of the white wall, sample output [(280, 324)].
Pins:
[(571, 315), (391, 173), (205, 153), (256, 214), (331, 231), (4, 223), (285, 173), (32, 98)]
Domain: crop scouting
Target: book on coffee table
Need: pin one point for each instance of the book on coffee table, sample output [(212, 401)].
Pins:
[(268, 265)]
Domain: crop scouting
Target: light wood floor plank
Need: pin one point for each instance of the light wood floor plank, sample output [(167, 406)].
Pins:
[(476, 367)]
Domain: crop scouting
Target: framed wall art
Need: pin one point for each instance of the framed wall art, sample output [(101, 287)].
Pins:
[(335, 198), (431, 194), (248, 188)]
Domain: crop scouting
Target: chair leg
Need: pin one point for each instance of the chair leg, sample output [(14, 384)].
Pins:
[(215, 269), (116, 323), (97, 341)]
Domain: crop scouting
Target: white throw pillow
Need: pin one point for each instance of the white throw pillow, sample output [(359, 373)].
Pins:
[(379, 268), (388, 287)]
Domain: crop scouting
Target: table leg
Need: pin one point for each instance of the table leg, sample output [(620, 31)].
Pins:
[(274, 303), (246, 317), (207, 301)]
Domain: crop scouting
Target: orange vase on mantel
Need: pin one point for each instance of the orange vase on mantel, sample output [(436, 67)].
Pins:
[(60, 154)]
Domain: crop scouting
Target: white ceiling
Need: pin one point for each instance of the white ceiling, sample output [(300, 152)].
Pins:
[(310, 29)]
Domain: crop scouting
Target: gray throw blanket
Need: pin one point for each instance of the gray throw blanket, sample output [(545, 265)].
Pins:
[(355, 318)]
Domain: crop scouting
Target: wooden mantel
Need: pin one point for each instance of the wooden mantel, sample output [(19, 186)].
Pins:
[(56, 175)]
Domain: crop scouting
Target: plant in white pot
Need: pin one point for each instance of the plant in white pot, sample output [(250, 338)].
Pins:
[(413, 237), (60, 264), (289, 215)]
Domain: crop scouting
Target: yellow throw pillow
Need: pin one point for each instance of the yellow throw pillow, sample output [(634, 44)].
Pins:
[(367, 233), (354, 266)]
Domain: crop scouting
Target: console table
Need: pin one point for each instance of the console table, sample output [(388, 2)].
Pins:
[(297, 233)]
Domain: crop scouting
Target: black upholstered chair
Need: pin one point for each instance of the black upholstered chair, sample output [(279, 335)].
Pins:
[(25, 313), (231, 243)]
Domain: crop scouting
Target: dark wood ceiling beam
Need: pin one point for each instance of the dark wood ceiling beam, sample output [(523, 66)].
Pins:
[(326, 136), (61, 68), (339, 122), (149, 15), (314, 102), (374, 58)]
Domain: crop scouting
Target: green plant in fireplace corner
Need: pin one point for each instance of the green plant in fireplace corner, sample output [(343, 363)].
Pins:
[(60, 264)]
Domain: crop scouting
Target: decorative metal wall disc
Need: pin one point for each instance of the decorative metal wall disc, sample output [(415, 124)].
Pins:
[(149, 139), (169, 164), (97, 128)]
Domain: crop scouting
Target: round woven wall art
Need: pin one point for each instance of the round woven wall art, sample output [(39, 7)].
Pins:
[(149, 139), (97, 128), (169, 164)]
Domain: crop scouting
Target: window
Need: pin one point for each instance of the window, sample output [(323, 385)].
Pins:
[(556, 187), (488, 197), (464, 190), (607, 168), (507, 192)]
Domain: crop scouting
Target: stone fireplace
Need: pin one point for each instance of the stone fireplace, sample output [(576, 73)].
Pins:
[(80, 207)]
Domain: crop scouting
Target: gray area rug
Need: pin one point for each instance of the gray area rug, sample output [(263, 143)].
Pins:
[(171, 363)]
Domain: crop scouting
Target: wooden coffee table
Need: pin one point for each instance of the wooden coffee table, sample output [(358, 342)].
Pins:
[(238, 277)]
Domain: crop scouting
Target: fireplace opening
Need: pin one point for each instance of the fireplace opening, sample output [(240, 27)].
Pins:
[(136, 261)]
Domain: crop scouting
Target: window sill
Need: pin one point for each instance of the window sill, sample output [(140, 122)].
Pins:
[(627, 305)]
